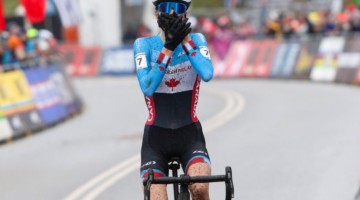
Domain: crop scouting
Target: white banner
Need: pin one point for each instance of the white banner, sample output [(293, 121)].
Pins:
[(349, 60), (69, 12), (5, 129), (118, 61), (332, 45)]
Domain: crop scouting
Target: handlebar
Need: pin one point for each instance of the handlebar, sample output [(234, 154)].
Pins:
[(187, 180)]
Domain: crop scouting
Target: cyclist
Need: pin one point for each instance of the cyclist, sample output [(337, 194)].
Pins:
[(170, 67)]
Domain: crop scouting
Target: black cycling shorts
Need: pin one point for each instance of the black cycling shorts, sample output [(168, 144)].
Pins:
[(160, 145)]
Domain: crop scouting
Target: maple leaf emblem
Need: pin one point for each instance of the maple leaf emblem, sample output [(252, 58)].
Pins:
[(172, 83)]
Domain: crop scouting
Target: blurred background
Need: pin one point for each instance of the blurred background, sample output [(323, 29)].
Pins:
[(67, 72), (88, 32)]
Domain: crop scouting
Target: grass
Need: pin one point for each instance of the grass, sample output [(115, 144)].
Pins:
[(207, 3), (10, 6)]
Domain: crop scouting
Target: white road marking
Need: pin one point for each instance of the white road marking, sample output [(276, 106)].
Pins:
[(235, 102), (110, 182), (84, 188)]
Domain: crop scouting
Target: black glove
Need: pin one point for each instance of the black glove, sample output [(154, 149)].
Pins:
[(165, 20), (176, 33)]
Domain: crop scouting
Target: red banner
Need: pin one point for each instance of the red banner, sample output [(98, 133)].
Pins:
[(249, 66), (81, 61), (35, 10), (265, 58), (2, 18), (236, 58)]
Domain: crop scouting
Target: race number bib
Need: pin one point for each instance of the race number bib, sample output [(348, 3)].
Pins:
[(141, 61), (205, 52)]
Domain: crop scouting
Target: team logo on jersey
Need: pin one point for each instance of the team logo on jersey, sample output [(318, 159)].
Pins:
[(178, 78), (151, 107), (176, 70)]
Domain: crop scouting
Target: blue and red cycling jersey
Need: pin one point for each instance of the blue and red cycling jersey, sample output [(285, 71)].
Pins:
[(171, 88)]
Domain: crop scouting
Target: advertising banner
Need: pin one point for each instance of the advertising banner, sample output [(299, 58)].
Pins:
[(48, 101), (32, 120), (69, 56), (259, 58), (5, 128), (348, 65), (357, 78), (332, 45), (306, 58), (17, 103), (81, 61), (352, 44), (235, 60), (291, 59), (90, 59), (218, 63), (325, 66), (250, 64), (65, 89), (265, 58), (17, 125), (285, 61), (279, 60), (118, 61)]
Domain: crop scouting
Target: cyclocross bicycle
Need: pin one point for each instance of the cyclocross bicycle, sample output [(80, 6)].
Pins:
[(181, 184)]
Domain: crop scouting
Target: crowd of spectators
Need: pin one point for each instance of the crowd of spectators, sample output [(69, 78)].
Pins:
[(221, 31), (289, 24), (25, 48), (281, 24)]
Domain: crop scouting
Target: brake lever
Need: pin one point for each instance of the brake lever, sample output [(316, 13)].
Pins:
[(229, 181), (149, 180)]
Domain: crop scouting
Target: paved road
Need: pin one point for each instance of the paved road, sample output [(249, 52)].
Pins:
[(284, 139)]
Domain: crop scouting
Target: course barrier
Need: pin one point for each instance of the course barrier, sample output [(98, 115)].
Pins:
[(92, 61), (32, 99), (81, 61), (316, 58), (117, 61), (320, 59)]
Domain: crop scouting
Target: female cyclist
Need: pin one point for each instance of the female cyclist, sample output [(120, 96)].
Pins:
[(170, 67)]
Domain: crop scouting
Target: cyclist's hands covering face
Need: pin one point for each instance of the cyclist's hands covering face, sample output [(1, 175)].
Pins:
[(178, 29), (165, 20)]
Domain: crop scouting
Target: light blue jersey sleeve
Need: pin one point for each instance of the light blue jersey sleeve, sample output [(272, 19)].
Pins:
[(149, 76), (200, 57)]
